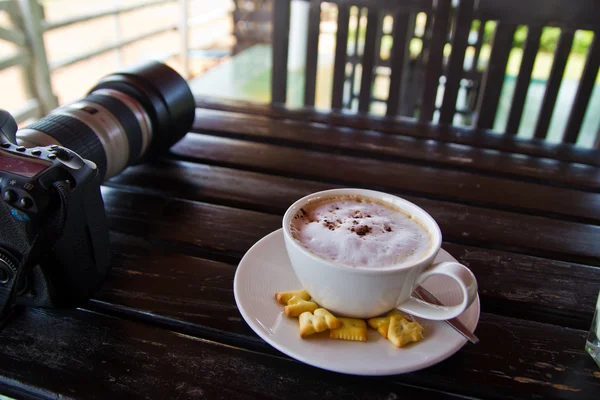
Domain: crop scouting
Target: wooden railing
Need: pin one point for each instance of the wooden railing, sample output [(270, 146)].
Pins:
[(30, 56), (29, 27), (426, 89)]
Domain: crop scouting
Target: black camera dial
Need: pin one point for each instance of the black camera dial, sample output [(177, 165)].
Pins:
[(8, 266)]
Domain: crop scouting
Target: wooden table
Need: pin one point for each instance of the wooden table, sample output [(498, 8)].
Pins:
[(165, 324)]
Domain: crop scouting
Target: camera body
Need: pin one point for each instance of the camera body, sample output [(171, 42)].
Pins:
[(51, 211)]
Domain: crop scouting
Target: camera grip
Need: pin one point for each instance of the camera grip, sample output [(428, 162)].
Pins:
[(82, 254)]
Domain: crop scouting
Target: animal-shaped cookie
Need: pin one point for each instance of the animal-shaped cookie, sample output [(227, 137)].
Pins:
[(318, 322)]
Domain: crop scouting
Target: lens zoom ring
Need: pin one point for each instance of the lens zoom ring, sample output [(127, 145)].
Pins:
[(126, 118), (75, 135)]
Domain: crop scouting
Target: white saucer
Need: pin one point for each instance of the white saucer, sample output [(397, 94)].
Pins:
[(265, 269)]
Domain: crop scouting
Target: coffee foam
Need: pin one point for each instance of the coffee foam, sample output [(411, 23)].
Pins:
[(360, 232)]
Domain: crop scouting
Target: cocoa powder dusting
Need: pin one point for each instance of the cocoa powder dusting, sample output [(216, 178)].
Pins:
[(362, 230)]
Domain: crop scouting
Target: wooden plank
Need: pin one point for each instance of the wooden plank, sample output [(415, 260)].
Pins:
[(13, 36), (312, 52), (373, 144), (378, 146), (552, 235), (509, 284), (368, 62), (584, 92), (435, 59), (87, 17), (339, 68), (401, 126), (507, 280), (131, 360), (561, 55), (583, 14), (400, 56), (31, 13), (19, 58), (544, 358), (454, 72), (530, 51), (494, 76), (541, 355), (113, 46), (281, 29)]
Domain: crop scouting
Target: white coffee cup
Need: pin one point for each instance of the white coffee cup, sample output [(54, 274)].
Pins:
[(369, 292)]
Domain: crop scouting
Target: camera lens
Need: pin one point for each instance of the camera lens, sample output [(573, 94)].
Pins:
[(126, 118)]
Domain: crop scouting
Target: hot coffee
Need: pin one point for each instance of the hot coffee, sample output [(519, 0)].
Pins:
[(358, 231)]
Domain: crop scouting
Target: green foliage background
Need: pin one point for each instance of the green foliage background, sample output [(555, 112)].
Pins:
[(548, 41)]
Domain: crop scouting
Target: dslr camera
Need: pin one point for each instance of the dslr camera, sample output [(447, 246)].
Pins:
[(54, 241)]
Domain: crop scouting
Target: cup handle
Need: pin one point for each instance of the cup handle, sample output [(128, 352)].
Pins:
[(468, 286)]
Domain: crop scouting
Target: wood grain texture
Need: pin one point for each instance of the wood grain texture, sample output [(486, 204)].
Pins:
[(431, 182), (169, 219), (133, 360), (205, 300), (83, 355), (374, 144), (482, 139), (165, 324), (506, 279), (509, 285)]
